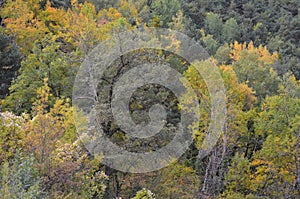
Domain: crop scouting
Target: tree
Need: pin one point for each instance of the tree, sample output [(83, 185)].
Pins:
[(178, 180), (231, 31), (22, 23), (104, 4), (20, 179), (253, 66), (223, 55), (64, 24), (273, 170), (277, 163), (11, 135), (63, 164), (238, 178), (211, 44), (163, 11), (236, 136), (46, 61), (50, 125), (215, 33), (262, 22), (56, 55), (213, 25), (10, 59), (73, 173)]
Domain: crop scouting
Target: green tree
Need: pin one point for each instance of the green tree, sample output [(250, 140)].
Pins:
[(273, 170), (277, 163), (175, 181), (240, 100), (223, 55), (210, 44), (46, 61), (230, 31), (213, 25), (163, 11), (254, 67), (238, 178), (20, 179), (264, 22), (10, 59)]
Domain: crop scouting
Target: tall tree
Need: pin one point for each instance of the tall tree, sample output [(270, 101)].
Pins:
[(231, 31), (46, 61), (10, 59), (22, 22), (253, 66)]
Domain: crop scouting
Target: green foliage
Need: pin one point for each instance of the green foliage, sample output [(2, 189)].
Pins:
[(46, 61), (176, 180), (270, 23), (275, 167), (11, 135), (19, 179), (10, 59), (211, 45), (144, 194), (231, 31), (237, 178), (253, 66), (277, 163), (214, 25), (256, 47), (215, 32), (164, 11), (223, 55), (104, 4)]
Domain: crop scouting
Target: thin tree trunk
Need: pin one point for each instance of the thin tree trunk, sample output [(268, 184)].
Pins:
[(206, 176)]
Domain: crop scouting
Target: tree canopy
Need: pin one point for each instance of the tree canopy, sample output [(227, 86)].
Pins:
[(254, 45)]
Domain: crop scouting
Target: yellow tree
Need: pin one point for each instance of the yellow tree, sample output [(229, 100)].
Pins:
[(240, 99), (273, 170), (253, 66), (49, 127), (81, 25), (22, 22), (11, 135), (277, 163), (66, 168)]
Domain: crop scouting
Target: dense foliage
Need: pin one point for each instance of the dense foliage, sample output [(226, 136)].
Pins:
[(254, 43)]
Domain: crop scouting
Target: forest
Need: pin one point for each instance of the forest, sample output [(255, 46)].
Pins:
[(47, 47)]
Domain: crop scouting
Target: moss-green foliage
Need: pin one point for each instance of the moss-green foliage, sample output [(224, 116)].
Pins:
[(10, 58), (20, 179), (45, 61)]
